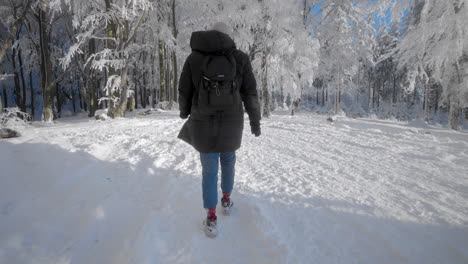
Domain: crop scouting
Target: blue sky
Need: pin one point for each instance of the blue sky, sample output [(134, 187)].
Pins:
[(379, 20)]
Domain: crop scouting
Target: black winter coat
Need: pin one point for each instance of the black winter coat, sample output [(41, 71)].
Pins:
[(221, 132)]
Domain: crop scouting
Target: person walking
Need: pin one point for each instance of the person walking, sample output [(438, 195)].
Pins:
[(215, 85)]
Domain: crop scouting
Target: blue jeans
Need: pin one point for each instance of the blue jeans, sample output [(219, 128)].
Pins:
[(210, 164)]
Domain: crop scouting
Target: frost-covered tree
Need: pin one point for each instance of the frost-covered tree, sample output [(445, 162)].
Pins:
[(347, 38), (118, 23), (13, 14), (436, 48)]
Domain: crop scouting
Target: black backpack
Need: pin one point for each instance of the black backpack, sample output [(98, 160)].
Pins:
[(218, 89)]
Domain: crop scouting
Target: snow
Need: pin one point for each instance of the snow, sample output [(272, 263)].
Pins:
[(307, 191)]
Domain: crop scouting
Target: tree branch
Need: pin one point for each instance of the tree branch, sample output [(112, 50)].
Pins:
[(132, 38), (13, 30)]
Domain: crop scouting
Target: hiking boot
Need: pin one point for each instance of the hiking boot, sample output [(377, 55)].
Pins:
[(226, 205), (209, 226)]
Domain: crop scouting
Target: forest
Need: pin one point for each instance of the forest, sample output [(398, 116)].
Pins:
[(400, 59)]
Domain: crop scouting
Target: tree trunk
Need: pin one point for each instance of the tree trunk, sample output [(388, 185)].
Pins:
[(31, 91), (93, 91), (9, 41), (174, 73), (426, 105), (370, 100), (83, 95), (1, 106), (72, 91), (167, 75), (23, 83), (142, 100), (48, 86), (80, 98), (174, 55), (59, 101), (326, 97), (317, 97), (18, 99), (154, 93), (5, 96), (120, 108), (93, 94), (132, 100), (143, 97), (454, 101), (162, 93), (454, 114), (394, 89), (337, 100), (265, 92), (111, 31)]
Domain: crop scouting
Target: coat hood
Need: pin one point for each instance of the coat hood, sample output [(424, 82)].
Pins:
[(211, 41)]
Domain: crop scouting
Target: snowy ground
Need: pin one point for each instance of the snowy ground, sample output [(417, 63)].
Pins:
[(307, 191)]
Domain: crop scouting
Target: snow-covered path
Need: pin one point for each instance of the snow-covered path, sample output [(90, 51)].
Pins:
[(307, 191)]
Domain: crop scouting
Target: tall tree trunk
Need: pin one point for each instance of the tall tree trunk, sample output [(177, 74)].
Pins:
[(454, 113), (80, 99), (111, 31), (83, 94), (47, 83), (162, 93), (426, 105), (143, 97), (122, 102), (326, 96), (23, 83), (167, 74), (93, 91), (174, 55), (1, 106), (454, 101), (370, 100), (174, 73), (265, 92), (31, 91), (323, 97), (73, 98), (154, 93), (59, 101), (5, 96), (337, 99), (18, 99), (394, 89), (317, 97), (142, 100)]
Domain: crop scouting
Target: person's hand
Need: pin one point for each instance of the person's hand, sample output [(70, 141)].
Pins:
[(255, 128), (183, 115)]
